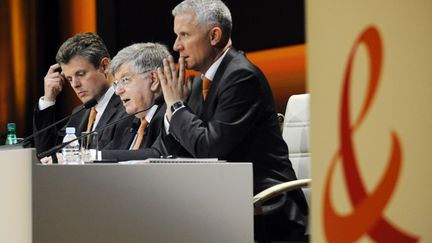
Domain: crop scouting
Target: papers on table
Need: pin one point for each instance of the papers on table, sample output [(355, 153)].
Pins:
[(174, 160)]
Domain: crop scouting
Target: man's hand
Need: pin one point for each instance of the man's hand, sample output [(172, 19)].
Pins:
[(175, 86), (53, 83), (48, 160)]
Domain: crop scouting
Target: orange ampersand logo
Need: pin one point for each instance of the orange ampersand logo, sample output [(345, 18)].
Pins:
[(367, 216)]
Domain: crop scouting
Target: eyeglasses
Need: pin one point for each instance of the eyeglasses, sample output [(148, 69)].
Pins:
[(123, 82)]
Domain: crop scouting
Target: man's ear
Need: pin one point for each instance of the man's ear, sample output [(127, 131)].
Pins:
[(105, 64), (215, 35), (155, 83)]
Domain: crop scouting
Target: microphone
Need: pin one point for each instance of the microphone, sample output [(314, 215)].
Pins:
[(55, 149), (87, 105), (134, 127)]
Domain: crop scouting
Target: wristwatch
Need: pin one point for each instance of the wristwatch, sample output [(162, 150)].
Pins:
[(177, 106)]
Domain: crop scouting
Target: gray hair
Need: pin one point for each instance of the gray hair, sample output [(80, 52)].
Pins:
[(143, 56), (88, 45), (209, 12)]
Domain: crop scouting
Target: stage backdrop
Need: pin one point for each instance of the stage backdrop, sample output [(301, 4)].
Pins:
[(369, 72)]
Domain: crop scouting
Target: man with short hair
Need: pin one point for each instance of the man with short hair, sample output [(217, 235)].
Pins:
[(228, 111), (138, 86), (84, 62)]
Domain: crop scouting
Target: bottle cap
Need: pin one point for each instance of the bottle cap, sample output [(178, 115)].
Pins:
[(70, 130), (11, 125)]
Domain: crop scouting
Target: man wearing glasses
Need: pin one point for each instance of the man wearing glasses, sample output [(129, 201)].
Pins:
[(84, 62), (137, 84)]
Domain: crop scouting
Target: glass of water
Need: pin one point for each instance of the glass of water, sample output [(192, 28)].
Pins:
[(89, 147)]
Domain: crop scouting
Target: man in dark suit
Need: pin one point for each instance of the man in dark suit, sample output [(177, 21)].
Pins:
[(84, 62), (232, 116), (137, 84)]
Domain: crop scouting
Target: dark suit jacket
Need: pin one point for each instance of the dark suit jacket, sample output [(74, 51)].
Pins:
[(46, 140), (238, 122), (154, 144)]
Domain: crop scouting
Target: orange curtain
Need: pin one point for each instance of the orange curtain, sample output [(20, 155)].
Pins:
[(5, 72), (13, 65), (17, 54), (285, 69), (80, 16), (77, 16), (19, 50)]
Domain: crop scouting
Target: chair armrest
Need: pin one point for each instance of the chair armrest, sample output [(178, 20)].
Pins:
[(275, 190)]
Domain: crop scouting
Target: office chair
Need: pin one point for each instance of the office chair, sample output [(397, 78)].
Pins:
[(295, 133)]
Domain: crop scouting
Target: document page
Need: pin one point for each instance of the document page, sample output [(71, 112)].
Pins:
[(174, 160)]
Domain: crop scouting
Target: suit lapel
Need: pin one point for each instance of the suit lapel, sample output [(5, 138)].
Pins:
[(218, 75), (110, 111), (216, 83), (129, 134), (195, 101), (83, 124), (154, 127)]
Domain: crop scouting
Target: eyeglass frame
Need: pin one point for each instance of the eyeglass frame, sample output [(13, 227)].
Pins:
[(124, 81)]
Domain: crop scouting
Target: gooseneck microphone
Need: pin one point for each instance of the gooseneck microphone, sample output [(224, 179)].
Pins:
[(57, 148), (87, 105)]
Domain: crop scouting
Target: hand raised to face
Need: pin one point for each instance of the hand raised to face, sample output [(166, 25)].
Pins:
[(53, 82), (175, 86)]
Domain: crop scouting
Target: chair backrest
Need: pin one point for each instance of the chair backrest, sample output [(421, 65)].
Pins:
[(295, 132)]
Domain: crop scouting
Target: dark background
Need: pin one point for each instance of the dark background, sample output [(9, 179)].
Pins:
[(257, 25)]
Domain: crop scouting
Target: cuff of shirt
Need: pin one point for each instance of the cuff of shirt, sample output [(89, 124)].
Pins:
[(43, 104), (166, 124)]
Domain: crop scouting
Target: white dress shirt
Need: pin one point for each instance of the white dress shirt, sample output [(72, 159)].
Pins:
[(100, 107)]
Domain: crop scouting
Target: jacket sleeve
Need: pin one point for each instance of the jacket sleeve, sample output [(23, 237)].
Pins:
[(41, 119), (233, 117)]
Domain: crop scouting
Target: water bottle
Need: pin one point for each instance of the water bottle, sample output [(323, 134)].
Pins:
[(71, 152), (11, 133)]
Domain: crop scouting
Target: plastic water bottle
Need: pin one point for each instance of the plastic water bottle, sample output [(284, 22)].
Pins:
[(11, 133), (71, 152)]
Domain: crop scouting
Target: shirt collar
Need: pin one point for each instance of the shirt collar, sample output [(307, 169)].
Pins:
[(214, 67), (151, 113), (104, 100)]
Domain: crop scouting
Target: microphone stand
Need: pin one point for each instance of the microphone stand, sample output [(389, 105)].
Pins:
[(54, 149), (87, 105)]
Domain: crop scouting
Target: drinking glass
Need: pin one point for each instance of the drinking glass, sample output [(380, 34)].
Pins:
[(89, 147)]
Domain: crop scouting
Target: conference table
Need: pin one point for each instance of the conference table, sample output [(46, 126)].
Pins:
[(135, 201)]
